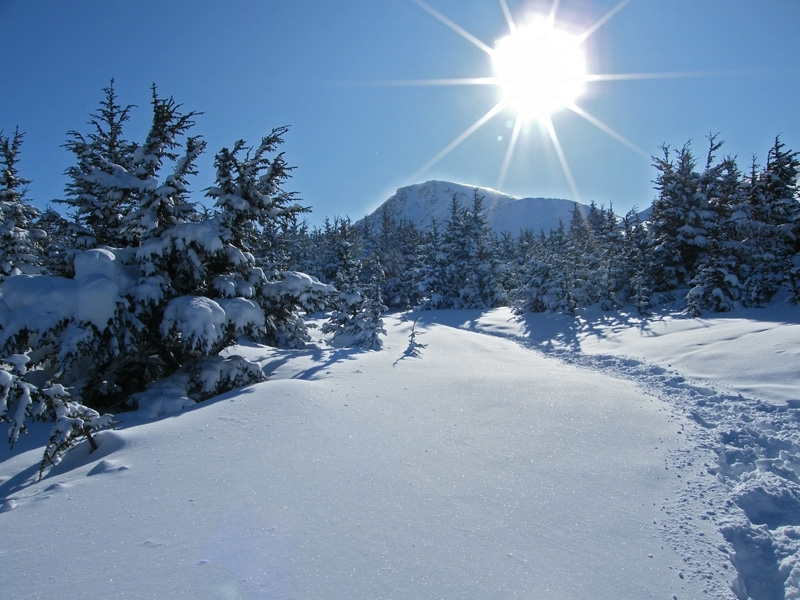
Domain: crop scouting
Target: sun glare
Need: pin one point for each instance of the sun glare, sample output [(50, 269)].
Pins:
[(539, 69)]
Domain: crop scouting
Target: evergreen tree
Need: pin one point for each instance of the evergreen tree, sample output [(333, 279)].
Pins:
[(779, 181), (99, 190), (57, 250), (587, 278), (481, 287), (433, 285), (175, 290), (716, 284), (356, 316), (535, 275), (21, 241), (676, 223), (635, 260), (156, 205)]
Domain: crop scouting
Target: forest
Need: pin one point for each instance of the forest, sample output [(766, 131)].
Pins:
[(129, 288)]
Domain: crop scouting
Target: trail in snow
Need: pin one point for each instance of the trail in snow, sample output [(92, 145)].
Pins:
[(742, 470)]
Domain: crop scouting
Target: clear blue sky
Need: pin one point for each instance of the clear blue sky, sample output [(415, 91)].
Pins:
[(317, 66)]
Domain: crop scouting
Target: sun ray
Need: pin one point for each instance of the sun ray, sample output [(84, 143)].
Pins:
[(457, 141), (507, 13), (543, 117), (563, 160), (607, 130), (512, 143), (551, 16), (602, 21), (668, 75), (457, 28)]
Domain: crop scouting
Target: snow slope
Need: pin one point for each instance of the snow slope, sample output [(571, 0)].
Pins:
[(423, 202), (515, 457)]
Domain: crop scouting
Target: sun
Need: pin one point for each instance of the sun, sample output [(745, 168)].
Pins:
[(539, 69)]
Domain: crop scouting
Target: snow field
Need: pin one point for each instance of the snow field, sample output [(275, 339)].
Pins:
[(480, 469), (740, 390)]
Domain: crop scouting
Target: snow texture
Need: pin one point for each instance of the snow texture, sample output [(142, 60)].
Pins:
[(542, 456)]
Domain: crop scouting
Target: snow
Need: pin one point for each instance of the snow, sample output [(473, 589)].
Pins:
[(199, 321), (534, 456), (38, 302), (424, 202), (242, 313)]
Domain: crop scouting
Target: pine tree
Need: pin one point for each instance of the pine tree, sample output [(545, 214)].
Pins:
[(481, 288), (717, 283), (98, 191), (635, 259), (355, 319), (21, 242), (677, 221), (587, 279), (433, 285), (534, 276), (159, 203), (453, 257), (780, 186)]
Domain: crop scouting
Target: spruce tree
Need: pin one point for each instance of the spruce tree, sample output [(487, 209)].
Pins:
[(99, 191), (635, 258), (21, 241), (355, 319), (158, 201), (162, 290), (676, 220)]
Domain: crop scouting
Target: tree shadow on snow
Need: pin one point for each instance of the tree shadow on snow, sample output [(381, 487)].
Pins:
[(319, 361), (545, 331)]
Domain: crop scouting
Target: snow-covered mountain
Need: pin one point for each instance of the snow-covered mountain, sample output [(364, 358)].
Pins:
[(424, 202)]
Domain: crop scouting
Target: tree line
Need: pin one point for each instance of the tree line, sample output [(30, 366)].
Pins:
[(133, 295), (713, 239)]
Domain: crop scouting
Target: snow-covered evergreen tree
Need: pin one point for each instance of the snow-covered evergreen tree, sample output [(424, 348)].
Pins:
[(355, 319), (481, 287), (57, 250), (253, 212), (433, 285), (463, 272), (717, 281), (635, 260), (98, 191), (158, 202), (176, 288), (588, 275), (535, 275), (776, 209), (676, 222), (21, 242)]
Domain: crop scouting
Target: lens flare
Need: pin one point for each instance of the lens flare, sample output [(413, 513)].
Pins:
[(539, 69)]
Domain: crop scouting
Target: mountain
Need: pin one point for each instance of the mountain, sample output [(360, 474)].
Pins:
[(423, 202)]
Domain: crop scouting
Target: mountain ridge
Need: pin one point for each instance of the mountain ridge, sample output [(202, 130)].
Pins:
[(424, 203)]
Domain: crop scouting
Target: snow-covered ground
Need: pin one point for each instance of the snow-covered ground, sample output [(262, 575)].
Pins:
[(542, 456)]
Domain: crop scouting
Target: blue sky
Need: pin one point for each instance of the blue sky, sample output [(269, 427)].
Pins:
[(321, 67)]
